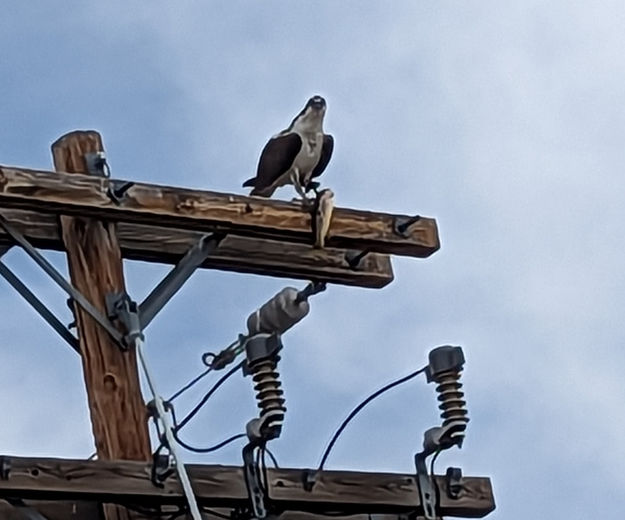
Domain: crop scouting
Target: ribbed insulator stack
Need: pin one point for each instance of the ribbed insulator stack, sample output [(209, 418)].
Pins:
[(269, 395), (445, 369), (451, 398)]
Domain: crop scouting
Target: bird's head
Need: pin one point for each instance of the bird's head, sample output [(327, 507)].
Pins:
[(311, 116), (316, 103)]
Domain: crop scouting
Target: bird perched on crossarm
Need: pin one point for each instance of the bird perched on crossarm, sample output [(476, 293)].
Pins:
[(296, 155)]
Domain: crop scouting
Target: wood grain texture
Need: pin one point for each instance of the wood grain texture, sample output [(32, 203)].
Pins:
[(75, 510), (118, 413), (196, 210), (235, 253), (215, 486)]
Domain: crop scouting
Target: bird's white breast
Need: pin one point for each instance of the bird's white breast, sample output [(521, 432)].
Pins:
[(309, 155)]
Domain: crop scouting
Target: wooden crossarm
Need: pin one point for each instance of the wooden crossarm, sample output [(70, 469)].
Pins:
[(196, 210), (215, 486), (235, 253)]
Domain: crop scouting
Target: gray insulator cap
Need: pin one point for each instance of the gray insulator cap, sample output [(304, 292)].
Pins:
[(279, 314), (444, 359)]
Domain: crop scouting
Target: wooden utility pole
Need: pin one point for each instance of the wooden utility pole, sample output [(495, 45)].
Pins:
[(118, 413)]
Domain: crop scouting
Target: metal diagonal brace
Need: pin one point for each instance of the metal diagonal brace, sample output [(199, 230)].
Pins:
[(39, 306), (61, 281), (175, 279)]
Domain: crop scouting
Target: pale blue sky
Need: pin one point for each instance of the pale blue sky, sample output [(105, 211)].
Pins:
[(503, 121)]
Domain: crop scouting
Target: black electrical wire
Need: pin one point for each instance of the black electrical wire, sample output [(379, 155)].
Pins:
[(207, 396), (436, 454), (195, 449), (353, 413), (210, 448), (190, 384), (273, 458)]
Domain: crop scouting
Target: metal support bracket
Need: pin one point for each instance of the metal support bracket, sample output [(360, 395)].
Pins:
[(427, 489), (176, 278), (60, 280), (453, 478), (39, 306), (253, 481), (134, 317)]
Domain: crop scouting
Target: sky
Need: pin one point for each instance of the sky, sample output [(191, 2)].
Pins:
[(501, 120)]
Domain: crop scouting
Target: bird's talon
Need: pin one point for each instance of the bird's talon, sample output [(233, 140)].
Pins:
[(313, 186)]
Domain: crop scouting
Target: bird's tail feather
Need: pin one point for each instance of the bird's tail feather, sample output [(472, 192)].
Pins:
[(249, 182)]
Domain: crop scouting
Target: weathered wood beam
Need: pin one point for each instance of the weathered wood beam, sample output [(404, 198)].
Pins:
[(235, 253), (206, 211), (51, 510), (126, 482), (74, 510)]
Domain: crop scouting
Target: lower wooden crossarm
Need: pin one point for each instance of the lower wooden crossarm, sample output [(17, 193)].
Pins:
[(125, 482)]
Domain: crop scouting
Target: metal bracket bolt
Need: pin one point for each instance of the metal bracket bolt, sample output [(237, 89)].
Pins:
[(96, 164), (354, 257), (401, 225), (116, 190), (453, 478), (5, 467)]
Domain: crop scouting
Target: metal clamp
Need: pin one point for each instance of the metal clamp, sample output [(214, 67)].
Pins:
[(162, 468), (427, 489), (122, 308), (96, 164), (253, 481), (453, 481)]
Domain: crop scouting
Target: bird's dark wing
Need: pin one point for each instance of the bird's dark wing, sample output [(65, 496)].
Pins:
[(326, 154), (275, 159)]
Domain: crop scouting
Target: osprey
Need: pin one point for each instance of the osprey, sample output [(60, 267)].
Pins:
[(295, 155)]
